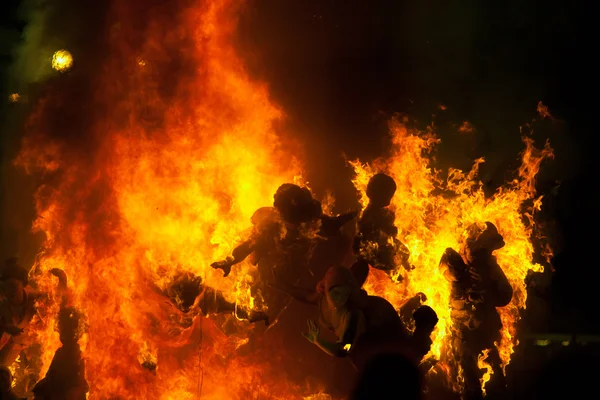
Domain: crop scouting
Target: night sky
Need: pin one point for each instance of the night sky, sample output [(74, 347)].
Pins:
[(341, 69)]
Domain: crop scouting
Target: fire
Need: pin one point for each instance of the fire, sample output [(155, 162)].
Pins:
[(432, 214), (486, 367), (62, 60), (169, 179)]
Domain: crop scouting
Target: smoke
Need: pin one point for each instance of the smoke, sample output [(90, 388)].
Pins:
[(46, 28)]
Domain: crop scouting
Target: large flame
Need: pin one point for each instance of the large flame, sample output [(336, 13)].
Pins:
[(433, 214), (171, 171)]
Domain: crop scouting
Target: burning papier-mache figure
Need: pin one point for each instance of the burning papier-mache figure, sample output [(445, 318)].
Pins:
[(364, 325), (17, 309), (65, 378), (283, 239), (479, 287), (6, 380), (376, 243), (192, 297)]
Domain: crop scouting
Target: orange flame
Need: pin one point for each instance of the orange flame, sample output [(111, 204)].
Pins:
[(432, 214), (172, 178)]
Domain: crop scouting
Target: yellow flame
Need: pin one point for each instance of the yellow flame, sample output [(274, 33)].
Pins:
[(482, 364), (62, 60), (433, 214)]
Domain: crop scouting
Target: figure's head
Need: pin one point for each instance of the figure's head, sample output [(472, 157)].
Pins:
[(381, 189), (184, 290), (69, 325), (296, 205), (338, 286), (263, 216), (5, 379), (484, 237), (425, 318)]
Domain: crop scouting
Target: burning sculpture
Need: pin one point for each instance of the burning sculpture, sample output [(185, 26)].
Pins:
[(479, 287), (430, 223), (364, 325), (282, 242), (376, 243), (174, 176)]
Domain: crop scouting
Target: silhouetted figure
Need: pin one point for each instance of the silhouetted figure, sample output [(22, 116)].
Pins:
[(479, 287), (364, 325), (65, 379), (295, 213), (282, 242), (424, 320), (376, 243), (388, 377), (6, 379)]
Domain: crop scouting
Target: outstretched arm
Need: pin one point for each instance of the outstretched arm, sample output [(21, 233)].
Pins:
[(239, 254)]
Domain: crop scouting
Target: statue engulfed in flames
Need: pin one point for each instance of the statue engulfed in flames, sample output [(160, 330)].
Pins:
[(171, 180)]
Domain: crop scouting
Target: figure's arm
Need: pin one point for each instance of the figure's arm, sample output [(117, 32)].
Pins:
[(353, 329), (239, 254), (303, 295), (242, 251), (330, 225)]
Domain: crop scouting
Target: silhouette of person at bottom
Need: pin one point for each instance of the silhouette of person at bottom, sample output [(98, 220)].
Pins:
[(388, 376)]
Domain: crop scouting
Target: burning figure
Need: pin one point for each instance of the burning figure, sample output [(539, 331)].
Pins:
[(376, 243), (17, 308), (192, 297), (283, 240), (293, 215), (65, 379), (6, 380), (364, 325), (479, 286)]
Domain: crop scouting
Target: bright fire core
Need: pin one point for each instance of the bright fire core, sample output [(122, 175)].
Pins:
[(171, 177)]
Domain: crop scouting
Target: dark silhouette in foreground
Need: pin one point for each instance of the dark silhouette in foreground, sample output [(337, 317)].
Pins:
[(388, 376), (6, 379)]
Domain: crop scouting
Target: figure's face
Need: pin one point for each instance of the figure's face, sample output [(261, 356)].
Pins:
[(339, 295)]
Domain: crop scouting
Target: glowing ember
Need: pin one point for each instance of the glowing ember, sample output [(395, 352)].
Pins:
[(62, 60), (14, 98), (432, 214)]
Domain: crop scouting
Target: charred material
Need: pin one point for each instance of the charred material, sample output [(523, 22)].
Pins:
[(191, 296), (376, 243), (479, 287)]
